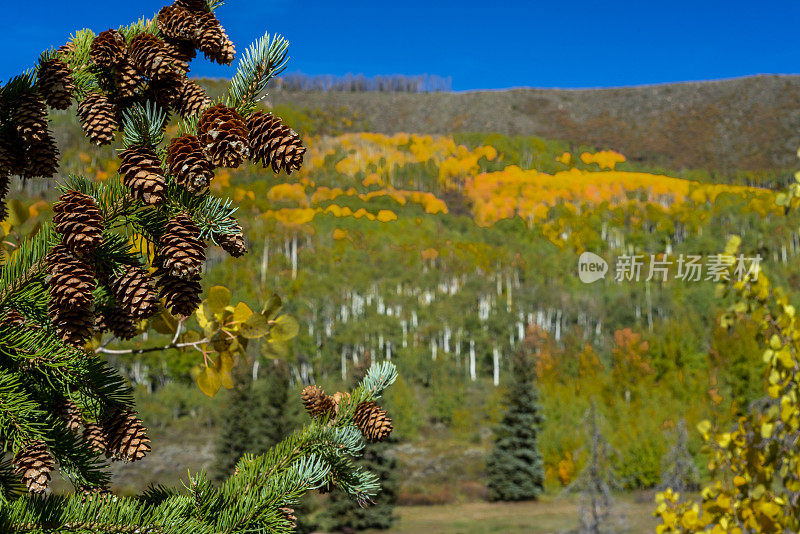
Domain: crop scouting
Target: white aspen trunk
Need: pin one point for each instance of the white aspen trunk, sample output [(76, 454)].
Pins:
[(255, 370), (649, 306), (294, 256), (509, 296), (265, 262), (344, 363), (388, 352), (434, 350), (404, 326), (496, 365), (472, 360)]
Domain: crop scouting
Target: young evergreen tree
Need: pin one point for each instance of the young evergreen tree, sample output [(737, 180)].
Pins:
[(678, 470), (342, 515), (514, 467), (61, 404), (597, 479)]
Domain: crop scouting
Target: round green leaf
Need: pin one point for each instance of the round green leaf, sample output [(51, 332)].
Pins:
[(255, 326), (284, 328), (218, 298), (273, 306)]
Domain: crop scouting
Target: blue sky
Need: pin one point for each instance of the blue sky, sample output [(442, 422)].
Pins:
[(481, 45)]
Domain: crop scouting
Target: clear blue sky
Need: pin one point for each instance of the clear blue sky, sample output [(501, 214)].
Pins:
[(481, 44)]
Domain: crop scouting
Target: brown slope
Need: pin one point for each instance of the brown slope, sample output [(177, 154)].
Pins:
[(745, 123)]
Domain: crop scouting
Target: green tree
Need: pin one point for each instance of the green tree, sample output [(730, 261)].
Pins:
[(514, 466)]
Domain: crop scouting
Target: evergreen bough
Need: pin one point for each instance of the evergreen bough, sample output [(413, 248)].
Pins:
[(515, 467), (51, 384)]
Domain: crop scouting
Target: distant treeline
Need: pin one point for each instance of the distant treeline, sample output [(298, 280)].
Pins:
[(356, 83)]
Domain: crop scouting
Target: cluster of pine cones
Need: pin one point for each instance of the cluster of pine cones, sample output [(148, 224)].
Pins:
[(73, 274), (120, 436), (369, 417)]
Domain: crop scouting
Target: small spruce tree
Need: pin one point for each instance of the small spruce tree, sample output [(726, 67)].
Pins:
[(515, 467), (678, 470)]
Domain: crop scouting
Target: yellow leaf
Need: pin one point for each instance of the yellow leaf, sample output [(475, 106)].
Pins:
[(241, 312), (204, 315), (209, 381), (17, 213), (225, 364), (284, 328), (218, 298)]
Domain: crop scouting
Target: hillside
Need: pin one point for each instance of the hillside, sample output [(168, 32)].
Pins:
[(746, 123)]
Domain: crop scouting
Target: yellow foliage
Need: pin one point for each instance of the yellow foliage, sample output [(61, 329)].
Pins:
[(605, 159)]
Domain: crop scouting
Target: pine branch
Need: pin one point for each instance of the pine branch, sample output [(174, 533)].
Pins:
[(262, 61), (25, 263), (143, 125)]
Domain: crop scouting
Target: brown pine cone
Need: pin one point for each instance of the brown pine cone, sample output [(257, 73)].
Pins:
[(316, 402), (372, 421), (98, 116), (100, 323), (180, 50), (212, 40), (150, 57), (71, 280), (120, 323), (141, 173), (223, 133), (69, 413), (95, 437), (177, 22), (191, 99), (126, 436), (134, 291), (288, 513), (233, 244), (29, 116), (127, 79), (181, 296), (273, 143), (181, 252), (12, 154), (108, 49), (79, 220), (196, 6), (34, 464), (188, 164), (41, 159), (55, 82), (166, 91)]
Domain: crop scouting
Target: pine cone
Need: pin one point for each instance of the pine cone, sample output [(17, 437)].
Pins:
[(212, 40), (127, 79), (181, 252), (134, 291), (95, 437), (120, 323), (141, 173), (69, 413), (180, 50), (196, 6), (233, 244), (181, 296), (108, 49), (371, 420), (100, 323), (188, 164), (126, 436), (41, 159), (150, 57), (166, 91), (177, 22), (223, 133), (316, 402), (13, 317), (71, 280), (55, 83), (273, 143), (33, 464), (98, 116), (29, 116), (12, 154), (288, 513), (191, 99), (78, 219)]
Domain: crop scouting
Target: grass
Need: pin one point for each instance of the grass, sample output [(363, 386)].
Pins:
[(550, 515)]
